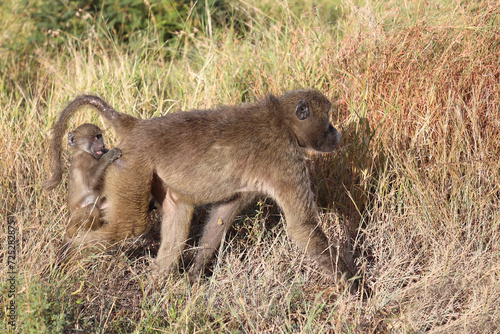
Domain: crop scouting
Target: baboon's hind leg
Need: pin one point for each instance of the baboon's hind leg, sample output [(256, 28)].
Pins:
[(175, 226), (221, 218), (126, 213)]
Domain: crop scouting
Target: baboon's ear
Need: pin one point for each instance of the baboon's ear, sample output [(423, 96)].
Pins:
[(302, 110), (71, 139)]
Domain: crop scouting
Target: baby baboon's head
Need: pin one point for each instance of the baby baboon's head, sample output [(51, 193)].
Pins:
[(88, 138), (310, 123)]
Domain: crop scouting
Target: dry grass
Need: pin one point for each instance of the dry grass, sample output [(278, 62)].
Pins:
[(415, 185)]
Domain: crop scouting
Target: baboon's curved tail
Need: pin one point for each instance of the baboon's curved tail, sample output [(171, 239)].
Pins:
[(122, 123)]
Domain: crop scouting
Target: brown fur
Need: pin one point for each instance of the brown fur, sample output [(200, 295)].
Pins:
[(226, 156), (88, 164), (121, 122)]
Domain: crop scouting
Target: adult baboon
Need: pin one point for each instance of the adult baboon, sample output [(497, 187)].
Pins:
[(89, 161), (225, 156)]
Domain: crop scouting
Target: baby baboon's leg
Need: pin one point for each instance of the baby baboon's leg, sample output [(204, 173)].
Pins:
[(126, 213), (86, 218), (221, 219), (86, 243), (103, 238), (175, 227), (301, 215)]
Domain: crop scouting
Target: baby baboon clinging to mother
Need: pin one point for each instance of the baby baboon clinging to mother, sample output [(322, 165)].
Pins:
[(89, 161), (226, 156)]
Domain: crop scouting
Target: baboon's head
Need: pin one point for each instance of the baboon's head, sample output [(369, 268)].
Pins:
[(311, 122), (88, 138)]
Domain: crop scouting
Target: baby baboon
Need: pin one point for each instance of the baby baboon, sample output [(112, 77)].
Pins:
[(89, 161), (226, 156), (121, 122)]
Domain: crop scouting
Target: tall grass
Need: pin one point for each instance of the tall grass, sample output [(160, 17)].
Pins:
[(413, 192)]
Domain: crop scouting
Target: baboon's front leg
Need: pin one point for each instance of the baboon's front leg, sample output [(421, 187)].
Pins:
[(303, 226)]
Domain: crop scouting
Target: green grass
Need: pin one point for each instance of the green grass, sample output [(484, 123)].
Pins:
[(413, 191)]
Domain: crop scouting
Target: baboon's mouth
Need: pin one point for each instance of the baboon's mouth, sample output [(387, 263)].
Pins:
[(98, 152)]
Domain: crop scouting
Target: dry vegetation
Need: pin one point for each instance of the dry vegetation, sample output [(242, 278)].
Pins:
[(415, 185)]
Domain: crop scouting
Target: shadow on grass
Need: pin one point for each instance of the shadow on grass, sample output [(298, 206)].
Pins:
[(345, 183)]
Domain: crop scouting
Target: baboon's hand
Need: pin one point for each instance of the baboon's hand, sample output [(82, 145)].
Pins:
[(115, 153)]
